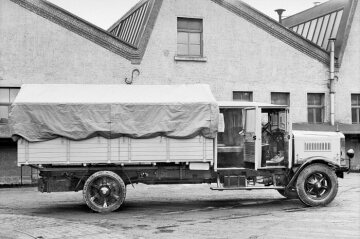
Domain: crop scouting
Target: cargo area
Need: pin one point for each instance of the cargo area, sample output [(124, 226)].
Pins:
[(114, 124)]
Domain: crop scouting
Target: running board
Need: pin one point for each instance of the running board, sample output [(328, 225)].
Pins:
[(244, 188)]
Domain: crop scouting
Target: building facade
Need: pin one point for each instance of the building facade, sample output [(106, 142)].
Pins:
[(241, 53)]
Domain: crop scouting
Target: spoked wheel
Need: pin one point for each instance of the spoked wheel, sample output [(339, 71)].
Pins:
[(104, 191), (317, 185)]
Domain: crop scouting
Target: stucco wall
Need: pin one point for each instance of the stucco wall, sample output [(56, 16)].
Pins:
[(35, 50), (240, 56), (349, 73)]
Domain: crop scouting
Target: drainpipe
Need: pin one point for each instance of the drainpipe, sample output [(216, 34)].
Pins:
[(332, 78)]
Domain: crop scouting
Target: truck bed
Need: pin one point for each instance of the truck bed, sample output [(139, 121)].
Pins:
[(123, 150)]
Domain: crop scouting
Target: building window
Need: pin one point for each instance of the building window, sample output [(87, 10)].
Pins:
[(7, 96), (189, 37), (279, 98), (355, 108), (243, 96), (315, 108)]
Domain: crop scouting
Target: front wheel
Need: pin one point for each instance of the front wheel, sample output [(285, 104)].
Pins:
[(317, 185), (104, 191)]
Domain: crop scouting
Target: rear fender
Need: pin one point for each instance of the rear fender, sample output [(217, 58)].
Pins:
[(310, 161)]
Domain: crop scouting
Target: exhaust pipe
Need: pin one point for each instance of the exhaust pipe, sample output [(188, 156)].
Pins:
[(280, 12)]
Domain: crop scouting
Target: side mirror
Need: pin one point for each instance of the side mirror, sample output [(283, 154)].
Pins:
[(350, 153)]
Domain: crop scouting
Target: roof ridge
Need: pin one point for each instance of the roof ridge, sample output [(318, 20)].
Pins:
[(274, 28)]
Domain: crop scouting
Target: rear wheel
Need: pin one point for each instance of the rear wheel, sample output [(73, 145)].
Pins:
[(317, 185), (104, 191)]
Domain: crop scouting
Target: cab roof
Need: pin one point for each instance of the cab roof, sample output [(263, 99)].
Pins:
[(244, 104)]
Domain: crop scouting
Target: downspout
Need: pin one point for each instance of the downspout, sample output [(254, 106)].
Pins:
[(332, 78)]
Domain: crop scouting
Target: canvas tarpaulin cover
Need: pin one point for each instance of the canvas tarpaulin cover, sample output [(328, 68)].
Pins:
[(43, 112)]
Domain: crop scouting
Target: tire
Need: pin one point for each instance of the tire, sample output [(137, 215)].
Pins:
[(317, 185), (104, 191), (290, 194)]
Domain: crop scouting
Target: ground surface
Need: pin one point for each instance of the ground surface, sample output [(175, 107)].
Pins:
[(180, 211)]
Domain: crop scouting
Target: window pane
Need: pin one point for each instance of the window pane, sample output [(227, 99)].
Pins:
[(318, 115), (182, 49), (194, 38), (315, 99), (4, 114), (13, 94), (242, 96), (311, 116), (355, 99), (189, 24), (280, 98), (183, 37), (4, 95), (194, 50), (355, 116)]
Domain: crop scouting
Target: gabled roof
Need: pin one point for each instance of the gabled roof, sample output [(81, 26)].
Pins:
[(122, 47), (132, 32), (331, 19)]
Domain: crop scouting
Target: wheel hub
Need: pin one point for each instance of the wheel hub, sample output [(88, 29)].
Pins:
[(105, 191)]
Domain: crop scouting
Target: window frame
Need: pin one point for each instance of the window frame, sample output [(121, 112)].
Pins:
[(243, 92), (9, 103), (188, 31), (315, 107), (356, 108)]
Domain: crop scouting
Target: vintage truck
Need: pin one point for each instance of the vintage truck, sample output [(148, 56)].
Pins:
[(101, 138)]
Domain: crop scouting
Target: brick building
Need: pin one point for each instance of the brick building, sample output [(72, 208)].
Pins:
[(241, 53)]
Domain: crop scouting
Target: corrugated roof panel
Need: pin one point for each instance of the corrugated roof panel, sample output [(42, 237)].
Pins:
[(323, 30), (311, 29), (300, 29), (129, 28), (328, 30), (317, 30), (320, 30), (306, 29)]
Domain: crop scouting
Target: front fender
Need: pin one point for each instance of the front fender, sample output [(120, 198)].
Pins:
[(310, 161)]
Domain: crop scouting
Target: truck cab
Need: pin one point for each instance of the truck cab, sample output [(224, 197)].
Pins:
[(257, 149), (255, 136)]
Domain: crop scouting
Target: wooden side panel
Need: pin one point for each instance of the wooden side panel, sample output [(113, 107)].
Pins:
[(119, 151), (90, 150), (53, 151), (149, 150), (196, 149)]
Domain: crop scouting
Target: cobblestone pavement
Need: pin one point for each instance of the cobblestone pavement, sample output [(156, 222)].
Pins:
[(180, 211)]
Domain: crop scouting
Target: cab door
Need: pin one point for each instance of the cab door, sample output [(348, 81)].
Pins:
[(252, 137)]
